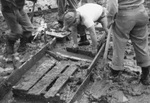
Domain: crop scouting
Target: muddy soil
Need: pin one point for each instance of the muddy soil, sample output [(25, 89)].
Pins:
[(103, 89)]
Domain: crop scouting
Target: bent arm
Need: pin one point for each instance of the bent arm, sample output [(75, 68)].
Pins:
[(93, 36), (104, 23)]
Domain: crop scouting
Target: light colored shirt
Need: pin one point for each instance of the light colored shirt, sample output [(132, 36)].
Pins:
[(90, 13)]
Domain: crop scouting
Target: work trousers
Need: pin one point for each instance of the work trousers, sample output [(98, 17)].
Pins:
[(130, 23), (19, 24)]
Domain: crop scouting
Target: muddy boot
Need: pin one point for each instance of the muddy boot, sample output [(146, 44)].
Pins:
[(113, 73), (83, 41), (23, 45), (145, 80), (24, 39)]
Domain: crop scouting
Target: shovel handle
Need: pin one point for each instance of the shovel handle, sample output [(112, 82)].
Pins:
[(107, 43), (32, 14)]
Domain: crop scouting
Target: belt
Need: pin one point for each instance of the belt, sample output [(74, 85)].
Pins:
[(130, 8)]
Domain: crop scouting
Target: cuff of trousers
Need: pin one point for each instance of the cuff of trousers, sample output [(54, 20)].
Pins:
[(144, 64), (116, 67)]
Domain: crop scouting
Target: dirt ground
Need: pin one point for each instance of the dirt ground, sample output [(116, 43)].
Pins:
[(103, 89)]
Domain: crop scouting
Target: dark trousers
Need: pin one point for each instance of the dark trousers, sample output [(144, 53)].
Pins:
[(19, 24)]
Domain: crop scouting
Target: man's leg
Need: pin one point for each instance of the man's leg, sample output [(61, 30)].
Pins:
[(139, 39), (27, 31), (61, 10), (83, 37), (72, 4), (121, 30), (62, 7), (11, 38)]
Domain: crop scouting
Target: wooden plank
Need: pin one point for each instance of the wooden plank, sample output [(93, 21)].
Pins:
[(62, 55), (80, 51), (6, 86), (32, 78), (57, 34), (41, 86), (87, 79), (73, 57), (61, 81)]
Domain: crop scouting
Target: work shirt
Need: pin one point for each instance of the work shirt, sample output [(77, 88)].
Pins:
[(8, 5), (114, 5), (90, 13)]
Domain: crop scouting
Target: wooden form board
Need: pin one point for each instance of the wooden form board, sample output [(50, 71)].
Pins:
[(31, 78), (60, 82), (50, 84), (41, 86)]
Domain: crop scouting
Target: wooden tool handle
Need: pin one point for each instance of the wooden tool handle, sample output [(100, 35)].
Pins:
[(107, 43)]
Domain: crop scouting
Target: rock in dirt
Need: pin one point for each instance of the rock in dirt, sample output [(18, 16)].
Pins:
[(121, 98)]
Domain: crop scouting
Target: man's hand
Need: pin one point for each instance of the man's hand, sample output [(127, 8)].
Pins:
[(94, 50), (110, 20), (75, 46), (33, 0)]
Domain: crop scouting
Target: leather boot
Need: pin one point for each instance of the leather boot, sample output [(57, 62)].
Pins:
[(23, 45), (24, 39), (145, 80), (83, 41), (113, 73)]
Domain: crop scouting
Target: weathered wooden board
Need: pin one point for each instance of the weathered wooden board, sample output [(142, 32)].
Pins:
[(80, 51), (41, 86), (60, 82), (63, 54), (57, 34), (34, 76)]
